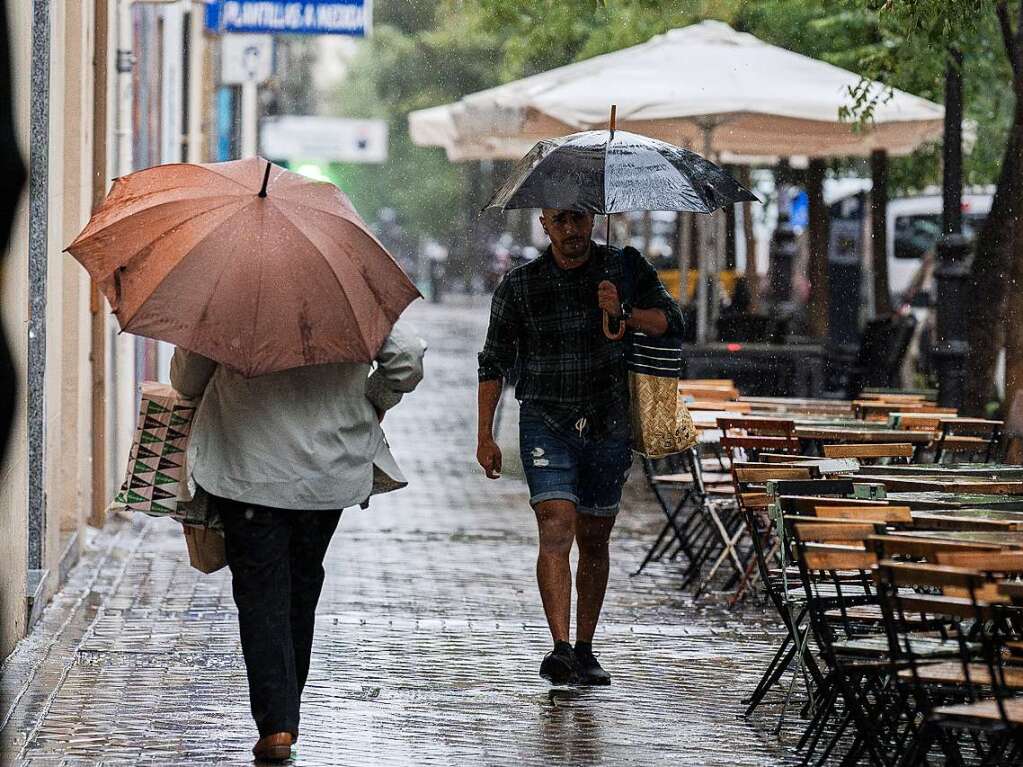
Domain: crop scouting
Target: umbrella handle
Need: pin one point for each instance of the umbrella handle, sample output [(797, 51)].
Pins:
[(619, 334)]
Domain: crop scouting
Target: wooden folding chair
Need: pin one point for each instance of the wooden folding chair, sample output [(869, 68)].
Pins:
[(921, 549), (725, 526), (1012, 432), (928, 422), (835, 570), (880, 410), (754, 434), (897, 396), (680, 486), (872, 453), (751, 493), (967, 439), (959, 684), (890, 515)]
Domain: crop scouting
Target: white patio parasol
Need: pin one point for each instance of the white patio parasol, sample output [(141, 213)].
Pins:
[(705, 86)]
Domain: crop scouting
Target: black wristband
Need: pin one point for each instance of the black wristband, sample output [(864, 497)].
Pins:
[(626, 311)]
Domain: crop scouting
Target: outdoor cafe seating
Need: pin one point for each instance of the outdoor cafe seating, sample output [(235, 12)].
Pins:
[(886, 538)]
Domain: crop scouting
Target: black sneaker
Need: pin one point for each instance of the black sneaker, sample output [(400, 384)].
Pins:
[(560, 666), (590, 671)]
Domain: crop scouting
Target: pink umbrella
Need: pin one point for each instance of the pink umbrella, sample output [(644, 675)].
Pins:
[(246, 263)]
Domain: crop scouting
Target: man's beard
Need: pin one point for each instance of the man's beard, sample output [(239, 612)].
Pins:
[(574, 253)]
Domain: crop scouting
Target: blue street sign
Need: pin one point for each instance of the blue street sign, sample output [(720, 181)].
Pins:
[(296, 17), (799, 211)]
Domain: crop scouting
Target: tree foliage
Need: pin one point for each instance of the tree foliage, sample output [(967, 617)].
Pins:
[(421, 54), (990, 37), (427, 52)]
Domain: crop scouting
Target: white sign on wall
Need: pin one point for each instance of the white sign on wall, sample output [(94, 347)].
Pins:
[(335, 139), (246, 59)]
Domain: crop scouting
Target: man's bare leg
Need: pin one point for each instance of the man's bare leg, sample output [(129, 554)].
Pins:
[(556, 521), (592, 534)]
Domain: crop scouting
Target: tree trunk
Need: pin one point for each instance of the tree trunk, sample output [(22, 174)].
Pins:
[(1014, 302), (879, 232), (989, 276), (818, 249)]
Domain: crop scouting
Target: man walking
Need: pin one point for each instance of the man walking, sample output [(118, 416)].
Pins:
[(546, 324)]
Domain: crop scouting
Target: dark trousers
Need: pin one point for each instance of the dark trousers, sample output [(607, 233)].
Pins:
[(276, 561)]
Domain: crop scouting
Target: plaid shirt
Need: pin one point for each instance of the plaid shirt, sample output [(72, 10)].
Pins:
[(546, 332)]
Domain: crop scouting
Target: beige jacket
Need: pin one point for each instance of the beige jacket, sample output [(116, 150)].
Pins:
[(307, 438)]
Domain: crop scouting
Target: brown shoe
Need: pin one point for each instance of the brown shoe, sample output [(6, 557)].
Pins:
[(273, 748)]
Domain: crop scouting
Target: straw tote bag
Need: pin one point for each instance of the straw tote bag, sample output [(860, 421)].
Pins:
[(661, 423)]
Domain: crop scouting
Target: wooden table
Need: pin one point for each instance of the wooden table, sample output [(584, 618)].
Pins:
[(860, 435), (938, 500), (969, 519), (800, 405), (815, 421), (708, 419), (952, 470), (943, 484), (735, 408), (1007, 540)]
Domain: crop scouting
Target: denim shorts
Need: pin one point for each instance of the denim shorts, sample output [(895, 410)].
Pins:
[(572, 466)]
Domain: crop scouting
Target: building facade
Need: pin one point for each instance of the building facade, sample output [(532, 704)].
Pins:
[(76, 66)]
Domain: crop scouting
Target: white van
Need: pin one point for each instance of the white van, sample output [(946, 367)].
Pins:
[(914, 224)]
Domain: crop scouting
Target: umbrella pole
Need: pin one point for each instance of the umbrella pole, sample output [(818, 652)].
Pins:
[(620, 333), (266, 178)]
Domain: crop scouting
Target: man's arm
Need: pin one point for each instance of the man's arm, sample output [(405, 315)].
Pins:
[(190, 373), (399, 368), (652, 322), (654, 311), (495, 361), (487, 452)]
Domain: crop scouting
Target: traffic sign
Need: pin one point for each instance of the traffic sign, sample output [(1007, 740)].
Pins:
[(246, 59), (335, 139), (305, 17)]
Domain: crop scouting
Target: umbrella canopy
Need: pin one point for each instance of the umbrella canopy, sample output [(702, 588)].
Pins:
[(614, 172), (243, 262), (705, 85)]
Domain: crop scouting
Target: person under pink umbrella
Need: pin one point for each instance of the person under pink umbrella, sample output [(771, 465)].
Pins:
[(284, 309)]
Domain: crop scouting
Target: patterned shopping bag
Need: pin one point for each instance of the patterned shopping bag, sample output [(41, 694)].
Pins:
[(156, 482)]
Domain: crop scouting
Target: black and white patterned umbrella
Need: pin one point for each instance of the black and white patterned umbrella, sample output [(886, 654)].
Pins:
[(610, 171)]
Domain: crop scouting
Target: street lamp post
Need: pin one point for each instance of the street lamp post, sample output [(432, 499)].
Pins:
[(950, 345), (953, 250)]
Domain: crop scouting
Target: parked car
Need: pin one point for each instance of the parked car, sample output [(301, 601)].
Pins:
[(914, 225)]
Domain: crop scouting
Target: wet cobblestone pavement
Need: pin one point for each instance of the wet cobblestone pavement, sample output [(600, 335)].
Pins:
[(429, 633)]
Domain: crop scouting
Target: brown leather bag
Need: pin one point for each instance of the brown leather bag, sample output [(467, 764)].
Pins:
[(205, 548)]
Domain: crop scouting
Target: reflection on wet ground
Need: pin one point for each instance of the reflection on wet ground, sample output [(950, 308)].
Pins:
[(430, 633)]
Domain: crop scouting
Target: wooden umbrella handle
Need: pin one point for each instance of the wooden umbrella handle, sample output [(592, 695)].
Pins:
[(619, 334)]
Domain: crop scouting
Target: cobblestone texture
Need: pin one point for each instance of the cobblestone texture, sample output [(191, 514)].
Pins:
[(429, 633)]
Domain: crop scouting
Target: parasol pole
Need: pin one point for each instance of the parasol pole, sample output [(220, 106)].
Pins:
[(706, 267), (620, 333)]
